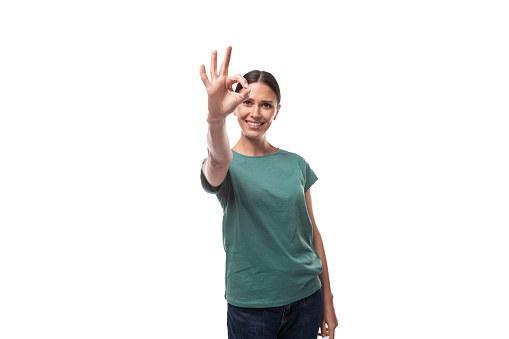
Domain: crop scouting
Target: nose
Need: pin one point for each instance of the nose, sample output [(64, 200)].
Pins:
[(256, 111)]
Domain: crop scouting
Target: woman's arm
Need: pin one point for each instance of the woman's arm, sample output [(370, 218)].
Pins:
[(222, 101), (329, 314), (219, 154)]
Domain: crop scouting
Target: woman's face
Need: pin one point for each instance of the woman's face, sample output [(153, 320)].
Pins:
[(255, 115)]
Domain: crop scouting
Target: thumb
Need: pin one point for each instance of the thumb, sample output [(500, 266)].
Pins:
[(244, 95)]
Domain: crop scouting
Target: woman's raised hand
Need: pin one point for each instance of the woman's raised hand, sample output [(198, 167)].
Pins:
[(223, 100)]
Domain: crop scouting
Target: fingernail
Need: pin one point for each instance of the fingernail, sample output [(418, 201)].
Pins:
[(246, 85)]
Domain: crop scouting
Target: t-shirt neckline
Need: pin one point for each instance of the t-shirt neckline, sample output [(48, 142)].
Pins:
[(258, 156)]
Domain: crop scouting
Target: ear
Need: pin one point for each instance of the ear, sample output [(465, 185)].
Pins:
[(275, 116)]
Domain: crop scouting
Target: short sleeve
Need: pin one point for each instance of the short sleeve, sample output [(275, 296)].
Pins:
[(205, 183), (311, 178), (223, 192)]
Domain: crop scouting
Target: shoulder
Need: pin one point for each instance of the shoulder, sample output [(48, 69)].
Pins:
[(294, 156)]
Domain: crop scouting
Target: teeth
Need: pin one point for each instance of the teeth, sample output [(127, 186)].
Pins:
[(254, 124)]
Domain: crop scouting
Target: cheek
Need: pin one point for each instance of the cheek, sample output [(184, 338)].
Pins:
[(270, 114), (242, 112)]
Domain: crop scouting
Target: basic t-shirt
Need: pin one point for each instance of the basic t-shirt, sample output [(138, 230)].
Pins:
[(267, 232)]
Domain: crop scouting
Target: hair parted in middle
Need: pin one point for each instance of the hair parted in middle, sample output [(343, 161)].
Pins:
[(263, 77)]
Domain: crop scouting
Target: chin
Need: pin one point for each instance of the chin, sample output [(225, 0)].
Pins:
[(251, 136)]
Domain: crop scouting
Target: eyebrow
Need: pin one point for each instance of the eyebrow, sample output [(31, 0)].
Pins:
[(263, 101)]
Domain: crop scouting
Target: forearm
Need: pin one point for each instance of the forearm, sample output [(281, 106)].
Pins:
[(218, 144), (324, 276)]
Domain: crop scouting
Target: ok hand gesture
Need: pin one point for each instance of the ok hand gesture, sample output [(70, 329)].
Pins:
[(223, 100)]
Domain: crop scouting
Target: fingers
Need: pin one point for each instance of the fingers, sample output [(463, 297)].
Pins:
[(323, 331), (223, 71), (327, 331), (226, 62), (213, 66), (204, 77), (243, 95), (237, 78)]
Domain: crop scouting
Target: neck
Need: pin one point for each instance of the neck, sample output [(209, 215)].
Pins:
[(253, 147)]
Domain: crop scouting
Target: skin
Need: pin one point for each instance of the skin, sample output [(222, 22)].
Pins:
[(256, 102), (260, 107), (329, 320)]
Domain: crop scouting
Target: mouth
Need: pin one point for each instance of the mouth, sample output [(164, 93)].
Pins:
[(254, 125)]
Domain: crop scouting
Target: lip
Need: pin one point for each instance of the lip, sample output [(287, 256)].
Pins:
[(254, 127)]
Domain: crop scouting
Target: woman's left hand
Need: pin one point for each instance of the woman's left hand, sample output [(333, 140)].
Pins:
[(329, 318)]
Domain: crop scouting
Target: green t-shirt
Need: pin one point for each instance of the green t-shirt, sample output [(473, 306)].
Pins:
[(267, 233)]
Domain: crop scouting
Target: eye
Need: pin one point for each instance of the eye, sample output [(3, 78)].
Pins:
[(267, 105), (247, 102)]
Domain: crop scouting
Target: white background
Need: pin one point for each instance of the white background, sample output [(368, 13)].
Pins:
[(400, 107)]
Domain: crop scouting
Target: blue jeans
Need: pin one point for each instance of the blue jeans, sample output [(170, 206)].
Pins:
[(298, 320)]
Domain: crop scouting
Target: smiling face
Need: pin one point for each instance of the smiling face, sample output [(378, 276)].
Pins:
[(255, 115)]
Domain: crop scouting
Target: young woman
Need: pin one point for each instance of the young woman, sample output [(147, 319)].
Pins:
[(276, 277)]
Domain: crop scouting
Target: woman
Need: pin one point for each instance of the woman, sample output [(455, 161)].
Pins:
[(276, 277)]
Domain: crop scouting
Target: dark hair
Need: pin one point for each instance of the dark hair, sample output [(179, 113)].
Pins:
[(263, 77)]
